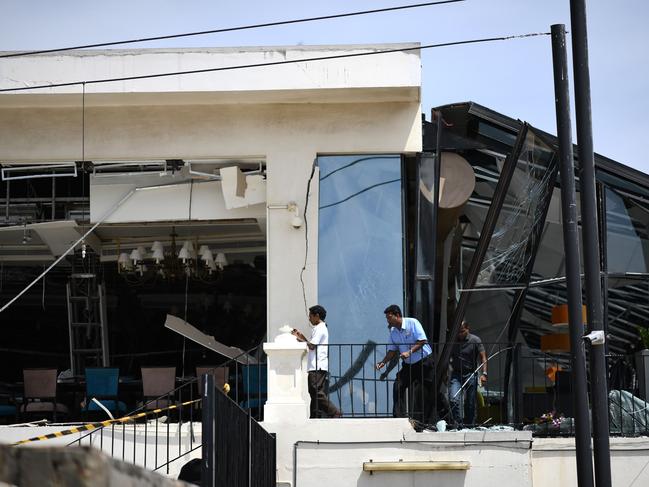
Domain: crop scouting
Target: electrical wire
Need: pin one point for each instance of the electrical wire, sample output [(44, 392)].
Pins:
[(232, 29), (278, 63)]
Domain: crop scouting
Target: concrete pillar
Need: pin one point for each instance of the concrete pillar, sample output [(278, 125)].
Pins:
[(287, 380)]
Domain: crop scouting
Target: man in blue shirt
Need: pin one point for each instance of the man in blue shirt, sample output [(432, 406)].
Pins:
[(417, 375)]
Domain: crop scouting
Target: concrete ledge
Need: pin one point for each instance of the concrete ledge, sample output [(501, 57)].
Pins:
[(78, 467)]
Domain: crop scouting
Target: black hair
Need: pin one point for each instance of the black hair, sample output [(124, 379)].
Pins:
[(318, 310), (393, 309)]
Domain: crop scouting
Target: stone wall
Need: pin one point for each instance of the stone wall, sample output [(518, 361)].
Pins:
[(73, 467)]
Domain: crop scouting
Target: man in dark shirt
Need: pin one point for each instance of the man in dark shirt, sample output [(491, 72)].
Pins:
[(465, 372)]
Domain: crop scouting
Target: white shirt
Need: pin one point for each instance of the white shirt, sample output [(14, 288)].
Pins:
[(319, 337)]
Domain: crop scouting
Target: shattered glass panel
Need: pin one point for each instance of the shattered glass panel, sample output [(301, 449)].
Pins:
[(513, 240)]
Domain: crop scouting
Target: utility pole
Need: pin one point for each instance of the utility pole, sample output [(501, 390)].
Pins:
[(589, 227), (571, 248)]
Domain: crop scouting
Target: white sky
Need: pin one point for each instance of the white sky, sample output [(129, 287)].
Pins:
[(512, 77)]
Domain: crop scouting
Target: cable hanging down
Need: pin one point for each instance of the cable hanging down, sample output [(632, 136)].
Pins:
[(277, 63), (231, 29)]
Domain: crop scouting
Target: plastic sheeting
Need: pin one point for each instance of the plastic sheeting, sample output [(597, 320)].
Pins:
[(628, 414)]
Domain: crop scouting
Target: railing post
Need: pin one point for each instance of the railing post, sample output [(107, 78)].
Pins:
[(517, 386), (208, 417), (249, 450)]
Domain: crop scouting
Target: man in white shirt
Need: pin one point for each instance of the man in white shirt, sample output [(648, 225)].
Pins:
[(318, 364)]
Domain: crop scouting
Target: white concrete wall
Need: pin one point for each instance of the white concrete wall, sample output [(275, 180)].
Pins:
[(284, 115), (553, 462), (332, 452)]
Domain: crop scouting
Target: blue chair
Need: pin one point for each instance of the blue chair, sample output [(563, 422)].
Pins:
[(8, 411), (254, 386), (102, 384)]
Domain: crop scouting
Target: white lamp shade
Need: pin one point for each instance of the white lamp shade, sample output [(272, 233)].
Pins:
[(142, 252), (203, 249), (184, 254), (157, 245), (158, 255), (123, 258), (207, 256), (220, 260), (190, 248), (135, 255)]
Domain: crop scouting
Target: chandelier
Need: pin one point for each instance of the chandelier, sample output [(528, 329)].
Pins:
[(171, 263)]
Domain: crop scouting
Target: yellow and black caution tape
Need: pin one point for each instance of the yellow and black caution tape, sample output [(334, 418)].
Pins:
[(92, 426)]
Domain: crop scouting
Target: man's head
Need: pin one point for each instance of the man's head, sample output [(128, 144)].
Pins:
[(317, 314), (464, 331), (393, 315)]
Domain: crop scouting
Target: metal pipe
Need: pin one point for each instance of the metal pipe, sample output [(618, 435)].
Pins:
[(571, 248), (53, 198), (208, 453), (601, 209), (436, 332), (7, 200), (590, 240)]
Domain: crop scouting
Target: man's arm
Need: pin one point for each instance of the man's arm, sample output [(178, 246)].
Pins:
[(390, 354), (418, 344), (301, 338)]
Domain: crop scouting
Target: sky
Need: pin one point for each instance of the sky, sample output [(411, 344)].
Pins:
[(512, 77)]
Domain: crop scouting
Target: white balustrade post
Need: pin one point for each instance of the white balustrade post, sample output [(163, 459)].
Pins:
[(287, 379)]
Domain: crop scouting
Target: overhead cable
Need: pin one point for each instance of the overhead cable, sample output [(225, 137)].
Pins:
[(232, 29), (275, 63)]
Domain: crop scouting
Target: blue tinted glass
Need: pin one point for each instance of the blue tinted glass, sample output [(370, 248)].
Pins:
[(627, 239), (360, 273), (360, 260)]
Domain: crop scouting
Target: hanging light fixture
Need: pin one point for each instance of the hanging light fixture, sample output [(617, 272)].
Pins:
[(560, 315), (174, 263), (560, 342)]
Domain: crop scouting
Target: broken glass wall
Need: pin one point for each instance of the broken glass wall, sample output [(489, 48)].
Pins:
[(513, 242)]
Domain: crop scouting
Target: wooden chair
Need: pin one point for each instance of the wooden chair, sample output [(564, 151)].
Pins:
[(40, 393), (157, 382)]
